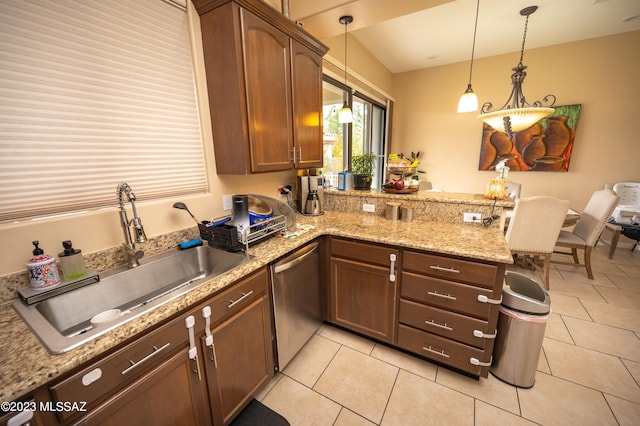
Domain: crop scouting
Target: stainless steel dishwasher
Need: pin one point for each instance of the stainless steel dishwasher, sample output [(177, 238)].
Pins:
[(297, 300)]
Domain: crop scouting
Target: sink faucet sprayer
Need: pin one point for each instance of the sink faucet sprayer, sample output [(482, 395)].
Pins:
[(133, 255)]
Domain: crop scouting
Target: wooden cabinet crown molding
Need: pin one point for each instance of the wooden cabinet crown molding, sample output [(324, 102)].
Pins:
[(271, 15)]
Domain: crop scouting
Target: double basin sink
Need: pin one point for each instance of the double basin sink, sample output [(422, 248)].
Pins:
[(68, 320)]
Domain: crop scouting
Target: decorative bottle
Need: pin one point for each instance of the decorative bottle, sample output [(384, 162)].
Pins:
[(71, 262), (42, 268)]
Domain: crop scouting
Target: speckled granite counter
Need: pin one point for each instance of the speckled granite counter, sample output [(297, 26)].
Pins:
[(26, 365)]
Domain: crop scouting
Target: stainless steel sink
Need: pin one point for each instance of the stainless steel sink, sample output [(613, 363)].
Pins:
[(122, 294)]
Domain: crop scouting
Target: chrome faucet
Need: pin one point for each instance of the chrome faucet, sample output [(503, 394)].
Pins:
[(132, 254)]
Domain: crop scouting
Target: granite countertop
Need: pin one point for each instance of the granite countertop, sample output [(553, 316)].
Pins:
[(26, 364), (430, 196)]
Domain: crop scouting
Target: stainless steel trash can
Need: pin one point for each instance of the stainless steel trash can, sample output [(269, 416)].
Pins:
[(522, 320)]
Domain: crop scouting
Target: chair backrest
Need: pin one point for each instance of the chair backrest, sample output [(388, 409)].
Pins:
[(595, 215), (628, 192), (536, 223), (513, 189)]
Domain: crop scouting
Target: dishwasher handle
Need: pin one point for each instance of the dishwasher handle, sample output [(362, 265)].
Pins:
[(281, 267)]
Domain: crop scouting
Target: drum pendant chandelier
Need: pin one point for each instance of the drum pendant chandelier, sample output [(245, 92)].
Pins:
[(517, 114)]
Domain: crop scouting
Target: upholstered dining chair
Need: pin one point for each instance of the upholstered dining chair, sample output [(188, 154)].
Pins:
[(628, 207), (534, 228), (513, 192), (588, 228), (513, 189)]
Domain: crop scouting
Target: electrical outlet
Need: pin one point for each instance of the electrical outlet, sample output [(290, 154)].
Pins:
[(472, 217), (227, 203), (370, 208)]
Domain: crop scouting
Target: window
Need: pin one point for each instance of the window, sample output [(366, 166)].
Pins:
[(342, 141), (93, 93)]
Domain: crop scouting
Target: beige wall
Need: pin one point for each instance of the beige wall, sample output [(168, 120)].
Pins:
[(601, 74)]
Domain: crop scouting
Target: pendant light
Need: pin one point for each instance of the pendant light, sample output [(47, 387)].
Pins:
[(345, 115), (469, 101), (517, 114)]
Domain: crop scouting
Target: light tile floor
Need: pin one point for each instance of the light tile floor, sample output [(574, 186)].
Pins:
[(588, 372)]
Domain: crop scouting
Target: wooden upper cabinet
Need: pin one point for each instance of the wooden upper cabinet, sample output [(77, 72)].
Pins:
[(306, 77), (264, 79), (268, 90)]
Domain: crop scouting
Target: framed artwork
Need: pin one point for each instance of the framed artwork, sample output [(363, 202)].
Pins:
[(545, 146)]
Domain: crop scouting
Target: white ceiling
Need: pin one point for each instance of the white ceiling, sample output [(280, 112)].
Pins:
[(405, 35)]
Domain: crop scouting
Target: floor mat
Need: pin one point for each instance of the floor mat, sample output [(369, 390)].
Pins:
[(256, 414)]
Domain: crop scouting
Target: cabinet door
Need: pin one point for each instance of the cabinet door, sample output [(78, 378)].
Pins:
[(306, 74), (268, 84), (363, 298), (240, 360), (171, 394)]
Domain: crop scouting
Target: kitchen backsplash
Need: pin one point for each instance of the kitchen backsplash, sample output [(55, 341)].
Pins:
[(442, 207)]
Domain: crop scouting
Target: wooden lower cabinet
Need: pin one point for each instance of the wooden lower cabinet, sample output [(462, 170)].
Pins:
[(165, 378), (363, 288), (239, 354), (170, 394), (449, 309), (440, 307)]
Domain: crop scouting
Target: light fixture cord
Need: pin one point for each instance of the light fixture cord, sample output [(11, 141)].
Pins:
[(524, 38), (473, 47), (345, 52)]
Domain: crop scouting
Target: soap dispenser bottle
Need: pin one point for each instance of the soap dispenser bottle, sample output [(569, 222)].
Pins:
[(71, 262), (42, 268)]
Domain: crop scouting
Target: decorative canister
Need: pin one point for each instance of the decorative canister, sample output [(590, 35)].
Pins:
[(42, 268)]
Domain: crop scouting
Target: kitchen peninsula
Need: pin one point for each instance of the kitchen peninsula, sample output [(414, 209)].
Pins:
[(437, 230)]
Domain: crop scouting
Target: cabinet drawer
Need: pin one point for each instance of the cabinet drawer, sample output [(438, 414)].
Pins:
[(121, 367), (231, 301), (452, 269), (368, 253), (443, 350), (447, 324), (456, 297)]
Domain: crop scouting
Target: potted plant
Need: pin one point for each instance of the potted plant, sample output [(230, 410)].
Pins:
[(362, 167)]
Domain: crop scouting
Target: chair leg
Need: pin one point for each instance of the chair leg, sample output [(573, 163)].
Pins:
[(574, 252), (615, 236), (587, 261), (546, 266)]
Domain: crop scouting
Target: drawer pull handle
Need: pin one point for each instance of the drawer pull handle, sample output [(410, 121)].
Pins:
[(444, 296), (233, 303), (481, 335), (442, 268), (433, 351), (437, 324), (392, 268), (134, 364), (476, 361), (484, 299)]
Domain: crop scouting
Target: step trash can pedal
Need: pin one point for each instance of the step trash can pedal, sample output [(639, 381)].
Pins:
[(525, 309)]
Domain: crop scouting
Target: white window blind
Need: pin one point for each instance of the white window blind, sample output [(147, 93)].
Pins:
[(92, 93)]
